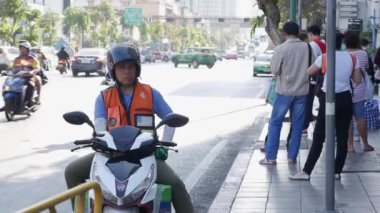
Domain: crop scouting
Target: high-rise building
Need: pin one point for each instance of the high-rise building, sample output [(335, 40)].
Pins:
[(217, 8)]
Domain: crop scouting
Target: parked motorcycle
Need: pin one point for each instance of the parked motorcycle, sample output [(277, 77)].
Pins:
[(14, 90), (125, 165), (62, 67)]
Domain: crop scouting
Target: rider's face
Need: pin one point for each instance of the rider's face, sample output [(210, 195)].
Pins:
[(126, 73), (23, 50)]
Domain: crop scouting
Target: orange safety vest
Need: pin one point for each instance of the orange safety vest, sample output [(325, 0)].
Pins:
[(140, 113)]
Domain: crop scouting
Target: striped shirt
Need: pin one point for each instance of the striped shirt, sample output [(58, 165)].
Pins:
[(360, 90)]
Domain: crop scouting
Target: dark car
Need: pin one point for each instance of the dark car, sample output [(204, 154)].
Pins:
[(89, 60), (148, 56)]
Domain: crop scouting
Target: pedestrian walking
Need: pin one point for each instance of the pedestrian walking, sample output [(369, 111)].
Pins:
[(347, 68), (360, 93), (289, 63)]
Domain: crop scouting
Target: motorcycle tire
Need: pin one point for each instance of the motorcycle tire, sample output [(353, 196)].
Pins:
[(9, 112)]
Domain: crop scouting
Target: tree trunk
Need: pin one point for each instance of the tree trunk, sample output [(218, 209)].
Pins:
[(272, 14)]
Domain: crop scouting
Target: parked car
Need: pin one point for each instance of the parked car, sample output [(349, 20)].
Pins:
[(158, 56), (220, 54), (148, 56), (7, 55), (195, 56), (230, 55), (89, 60), (262, 64), (240, 55)]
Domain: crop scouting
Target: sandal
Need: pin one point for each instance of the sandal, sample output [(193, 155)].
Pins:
[(369, 149)]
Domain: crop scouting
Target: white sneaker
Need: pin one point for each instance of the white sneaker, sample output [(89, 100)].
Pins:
[(300, 176), (267, 162), (337, 177)]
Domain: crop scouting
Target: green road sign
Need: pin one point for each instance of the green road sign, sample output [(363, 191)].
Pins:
[(133, 16)]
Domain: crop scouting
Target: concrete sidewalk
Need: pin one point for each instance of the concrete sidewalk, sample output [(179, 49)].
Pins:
[(251, 187)]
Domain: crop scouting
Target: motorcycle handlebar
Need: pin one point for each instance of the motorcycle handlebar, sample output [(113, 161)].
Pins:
[(164, 143), (82, 142)]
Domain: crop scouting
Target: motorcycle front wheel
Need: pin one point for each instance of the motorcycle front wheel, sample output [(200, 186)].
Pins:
[(9, 113)]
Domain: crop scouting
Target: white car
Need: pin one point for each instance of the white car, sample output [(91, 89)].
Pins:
[(7, 55)]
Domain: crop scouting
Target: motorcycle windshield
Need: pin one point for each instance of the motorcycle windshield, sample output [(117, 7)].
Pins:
[(122, 169), (124, 137)]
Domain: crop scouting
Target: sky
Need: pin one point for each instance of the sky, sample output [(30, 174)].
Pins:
[(245, 8)]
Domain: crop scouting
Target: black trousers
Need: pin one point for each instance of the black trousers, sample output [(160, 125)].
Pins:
[(343, 116)]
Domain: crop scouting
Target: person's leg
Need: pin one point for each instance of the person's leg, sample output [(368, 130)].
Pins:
[(318, 138), (180, 197), (344, 109), (362, 125), (29, 93), (280, 106), (309, 107), (78, 171), (38, 82), (298, 108), (350, 141)]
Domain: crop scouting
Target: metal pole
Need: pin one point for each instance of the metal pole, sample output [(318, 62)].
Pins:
[(330, 108), (299, 13), (292, 13)]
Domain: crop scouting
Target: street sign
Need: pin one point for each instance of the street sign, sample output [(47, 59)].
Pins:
[(133, 16)]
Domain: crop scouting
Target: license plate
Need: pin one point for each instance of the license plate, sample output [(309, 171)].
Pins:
[(86, 61)]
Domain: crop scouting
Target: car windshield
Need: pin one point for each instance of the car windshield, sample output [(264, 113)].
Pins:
[(91, 52), (263, 58), (12, 50)]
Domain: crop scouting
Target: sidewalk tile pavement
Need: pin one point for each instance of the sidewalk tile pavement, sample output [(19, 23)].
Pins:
[(267, 189)]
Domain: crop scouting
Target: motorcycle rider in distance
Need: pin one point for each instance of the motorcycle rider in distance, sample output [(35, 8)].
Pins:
[(130, 102), (63, 55), (26, 62)]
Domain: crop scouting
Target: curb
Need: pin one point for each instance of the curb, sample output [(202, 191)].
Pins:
[(227, 193)]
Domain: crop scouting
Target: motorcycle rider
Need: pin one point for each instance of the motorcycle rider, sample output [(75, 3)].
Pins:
[(130, 102), (26, 62), (63, 55)]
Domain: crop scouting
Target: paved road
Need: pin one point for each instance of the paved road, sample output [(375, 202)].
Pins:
[(218, 100)]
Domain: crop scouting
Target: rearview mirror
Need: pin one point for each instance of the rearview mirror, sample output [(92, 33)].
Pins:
[(174, 120), (77, 118)]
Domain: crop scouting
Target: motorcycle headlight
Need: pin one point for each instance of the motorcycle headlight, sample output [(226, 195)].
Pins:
[(140, 189), (107, 195)]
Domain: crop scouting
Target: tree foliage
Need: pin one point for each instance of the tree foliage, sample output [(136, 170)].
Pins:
[(78, 20), (12, 14), (48, 26), (103, 22), (31, 29), (276, 13)]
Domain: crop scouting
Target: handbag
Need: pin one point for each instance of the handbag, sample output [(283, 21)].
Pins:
[(271, 92), (372, 114), (377, 75)]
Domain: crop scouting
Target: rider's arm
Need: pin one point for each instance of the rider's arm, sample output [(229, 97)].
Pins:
[(36, 67), (100, 114), (162, 108)]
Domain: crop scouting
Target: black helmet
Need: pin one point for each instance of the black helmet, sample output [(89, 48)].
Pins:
[(121, 53)]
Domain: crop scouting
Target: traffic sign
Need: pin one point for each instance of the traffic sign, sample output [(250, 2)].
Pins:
[(133, 16)]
